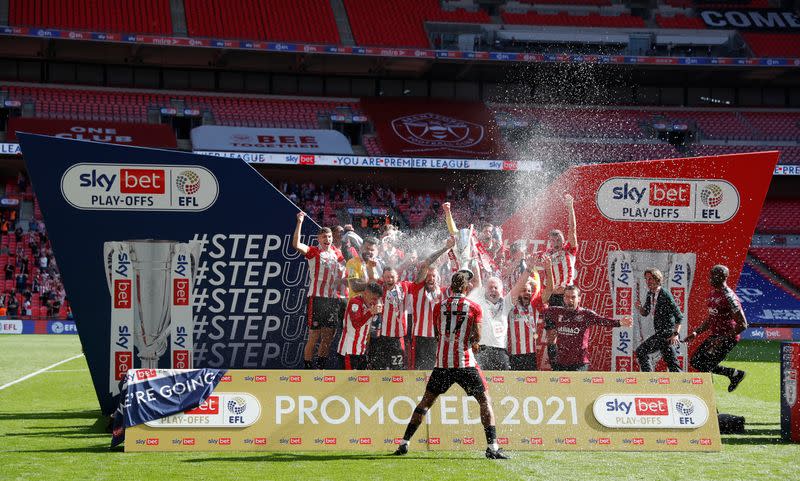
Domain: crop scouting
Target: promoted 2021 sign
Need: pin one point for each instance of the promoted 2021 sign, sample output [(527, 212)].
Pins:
[(368, 411)]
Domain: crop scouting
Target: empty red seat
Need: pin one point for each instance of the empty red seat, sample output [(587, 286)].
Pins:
[(129, 16)]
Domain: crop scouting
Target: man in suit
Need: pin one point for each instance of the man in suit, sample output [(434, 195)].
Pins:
[(667, 320)]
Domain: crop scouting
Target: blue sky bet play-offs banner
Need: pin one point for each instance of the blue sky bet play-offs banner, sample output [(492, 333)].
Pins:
[(249, 285), (766, 303)]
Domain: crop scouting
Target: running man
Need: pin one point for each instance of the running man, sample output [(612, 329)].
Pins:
[(325, 274), (459, 333), (725, 322)]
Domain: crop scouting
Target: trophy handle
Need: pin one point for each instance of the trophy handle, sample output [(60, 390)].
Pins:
[(108, 250), (195, 249)]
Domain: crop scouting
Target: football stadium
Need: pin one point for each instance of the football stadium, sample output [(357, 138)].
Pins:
[(353, 239)]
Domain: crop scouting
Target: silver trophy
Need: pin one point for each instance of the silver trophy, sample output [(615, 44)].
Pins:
[(464, 248), (151, 275)]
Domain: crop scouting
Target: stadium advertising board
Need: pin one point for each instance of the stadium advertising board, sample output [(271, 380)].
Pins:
[(368, 411), (703, 211), (411, 53), (231, 291), (379, 162), (141, 135), (248, 139), (434, 128), (766, 303)]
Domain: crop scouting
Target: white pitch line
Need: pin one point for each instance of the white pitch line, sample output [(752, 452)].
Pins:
[(28, 376)]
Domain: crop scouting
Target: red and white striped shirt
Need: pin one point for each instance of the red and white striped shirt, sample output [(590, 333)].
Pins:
[(355, 329), (325, 271), (457, 315), (423, 305), (522, 323), (563, 265), (395, 319)]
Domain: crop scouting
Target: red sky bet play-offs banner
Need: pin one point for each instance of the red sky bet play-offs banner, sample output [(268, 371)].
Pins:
[(142, 135), (703, 209), (431, 128)]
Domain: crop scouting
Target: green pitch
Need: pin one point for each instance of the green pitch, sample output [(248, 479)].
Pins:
[(49, 429)]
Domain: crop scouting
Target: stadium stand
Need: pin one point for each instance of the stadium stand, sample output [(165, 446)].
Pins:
[(779, 216), (33, 282), (624, 20), (789, 154), (773, 44), (679, 21), (388, 23), (282, 20), (774, 125), (132, 106), (129, 16), (782, 261)]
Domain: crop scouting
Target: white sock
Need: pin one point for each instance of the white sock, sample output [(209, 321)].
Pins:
[(494, 446), (403, 442)]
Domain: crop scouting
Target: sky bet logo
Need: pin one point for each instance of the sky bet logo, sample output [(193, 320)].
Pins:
[(139, 187), (667, 200)]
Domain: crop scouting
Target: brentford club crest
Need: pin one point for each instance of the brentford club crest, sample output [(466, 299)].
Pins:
[(434, 132)]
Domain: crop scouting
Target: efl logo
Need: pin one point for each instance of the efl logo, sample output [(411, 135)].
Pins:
[(624, 296), (180, 359), (260, 379), (123, 360), (151, 441), (531, 380), (328, 378), (397, 379), (260, 441), (122, 294), (537, 441), (663, 380), (295, 378), (652, 406), (295, 440), (210, 406), (180, 292), (468, 441), (598, 380), (187, 441), (498, 379), (329, 441), (142, 181), (226, 378), (434, 441), (670, 194), (224, 441), (306, 160), (362, 378)]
